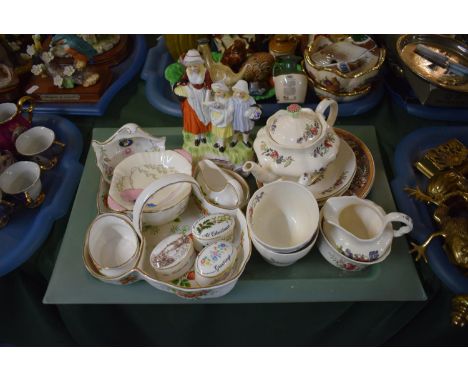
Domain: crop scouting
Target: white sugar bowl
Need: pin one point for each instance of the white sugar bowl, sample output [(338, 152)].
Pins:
[(173, 257), (212, 228), (214, 263)]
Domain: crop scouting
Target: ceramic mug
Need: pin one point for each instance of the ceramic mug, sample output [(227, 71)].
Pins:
[(22, 180), (12, 122), (6, 209), (38, 144)]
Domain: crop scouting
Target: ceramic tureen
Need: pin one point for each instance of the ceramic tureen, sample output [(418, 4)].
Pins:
[(296, 144)]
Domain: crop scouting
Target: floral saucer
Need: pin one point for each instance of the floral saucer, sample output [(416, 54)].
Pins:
[(337, 176)]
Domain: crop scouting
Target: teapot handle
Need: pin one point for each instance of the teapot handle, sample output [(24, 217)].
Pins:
[(402, 218), (324, 105)]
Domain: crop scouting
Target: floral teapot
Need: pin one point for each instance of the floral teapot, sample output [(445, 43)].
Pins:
[(296, 144)]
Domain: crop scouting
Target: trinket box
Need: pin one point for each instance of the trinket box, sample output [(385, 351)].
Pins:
[(214, 263), (173, 257), (212, 228)]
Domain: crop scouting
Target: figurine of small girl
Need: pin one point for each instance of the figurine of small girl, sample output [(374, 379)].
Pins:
[(246, 111), (221, 110)]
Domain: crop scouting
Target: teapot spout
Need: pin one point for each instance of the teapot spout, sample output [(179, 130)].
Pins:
[(260, 173)]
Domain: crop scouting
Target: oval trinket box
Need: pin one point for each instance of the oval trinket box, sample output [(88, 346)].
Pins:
[(212, 228), (214, 263), (173, 257)]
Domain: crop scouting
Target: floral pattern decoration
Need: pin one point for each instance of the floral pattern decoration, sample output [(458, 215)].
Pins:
[(273, 154), (255, 201), (372, 255), (311, 131), (335, 185), (216, 253), (321, 150)]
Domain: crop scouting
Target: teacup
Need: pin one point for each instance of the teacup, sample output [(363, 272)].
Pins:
[(284, 259), (113, 244), (39, 145), (283, 216), (22, 180), (12, 123), (6, 209)]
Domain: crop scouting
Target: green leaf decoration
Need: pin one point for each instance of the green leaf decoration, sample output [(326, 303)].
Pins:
[(174, 72)]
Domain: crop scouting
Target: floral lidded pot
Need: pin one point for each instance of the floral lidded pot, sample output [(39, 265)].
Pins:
[(296, 144)]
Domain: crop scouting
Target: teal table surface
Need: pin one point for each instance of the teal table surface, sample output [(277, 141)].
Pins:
[(25, 320), (311, 279)]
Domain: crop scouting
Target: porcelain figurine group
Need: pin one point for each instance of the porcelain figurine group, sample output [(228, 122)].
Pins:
[(214, 107)]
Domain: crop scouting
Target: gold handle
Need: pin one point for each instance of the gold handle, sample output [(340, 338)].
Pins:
[(29, 200), (48, 164), (22, 101), (58, 143)]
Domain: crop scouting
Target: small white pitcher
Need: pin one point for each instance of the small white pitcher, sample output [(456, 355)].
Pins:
[(360, 229)]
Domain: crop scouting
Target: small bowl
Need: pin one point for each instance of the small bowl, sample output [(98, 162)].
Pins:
[(338, 260), (283, 216), (173, 257), (212, 228), (284, 259), (113, 244), (214, 263)]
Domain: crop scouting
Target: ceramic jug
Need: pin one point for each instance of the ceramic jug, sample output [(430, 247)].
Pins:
[(360, 229)]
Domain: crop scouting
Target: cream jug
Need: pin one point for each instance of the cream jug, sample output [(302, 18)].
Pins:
[(360, 229)]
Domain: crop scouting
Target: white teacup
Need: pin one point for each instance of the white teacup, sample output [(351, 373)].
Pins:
[(283, 216), (113, 244), (38, 144), (22, 180)]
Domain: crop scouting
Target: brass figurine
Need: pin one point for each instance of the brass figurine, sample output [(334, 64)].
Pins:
[(460, 311), (447, 168)]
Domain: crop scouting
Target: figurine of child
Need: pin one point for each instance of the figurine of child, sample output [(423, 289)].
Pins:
[(193, 87), (221, 111), (246, 111)]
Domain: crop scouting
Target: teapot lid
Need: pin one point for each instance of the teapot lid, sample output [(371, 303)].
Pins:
[(295, 127)]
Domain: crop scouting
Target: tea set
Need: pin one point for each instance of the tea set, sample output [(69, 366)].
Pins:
[(180, 226), (26, 153)]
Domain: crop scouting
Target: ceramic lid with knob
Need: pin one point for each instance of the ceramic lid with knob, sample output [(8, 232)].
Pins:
[(295, 127)]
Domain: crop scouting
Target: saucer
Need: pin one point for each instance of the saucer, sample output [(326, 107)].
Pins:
[(337, 176), (365, 169)]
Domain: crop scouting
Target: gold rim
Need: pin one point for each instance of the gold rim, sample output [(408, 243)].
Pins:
[(377, 66), (369, 156), (340, 94), (133, 257)]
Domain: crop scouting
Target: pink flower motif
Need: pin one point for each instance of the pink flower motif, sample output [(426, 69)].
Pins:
[(293, 108), (328, 143), (274, 154), (128, 151)]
